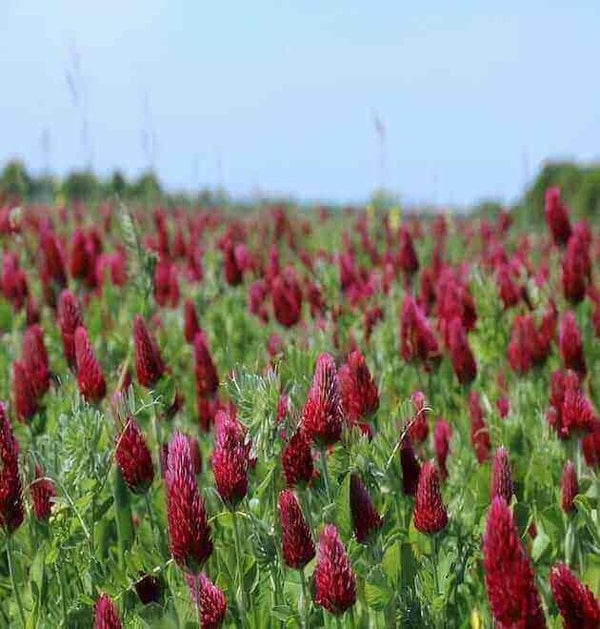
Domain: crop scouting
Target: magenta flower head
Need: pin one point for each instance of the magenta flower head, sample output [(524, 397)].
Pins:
[(133, 458), (35, 358), (322, 415), (334, 580), (577, 605), (106, 615), (463, 362), (411, 469), (509, 578), (298, 547), (188, 525), (359, 391), (430, 515), (230, 459), (570, 345), (191, 326), (207, 380), (297, 460), (502, 484), (11, 498), (69, 319), (209, 599), (149, 365), (569, 487), (365, 518), (442, 435), (287, 298), (557, 217), (23, 392), (90, 379), (42, 493)]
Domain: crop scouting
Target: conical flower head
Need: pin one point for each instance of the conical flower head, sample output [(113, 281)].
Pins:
[(209, 599), (42, 492), (411, 469), (441, 440), (569, 487), (35, 358), (418, 428), (557, 216), (335, 583), (417, 339), (23, 392), (297, 544), (287, 298), (570, 345), (590, 446), (359, 391), (190, 318), (149, 365), (11, 498), (207, 380), (430, 515), (480, 435), (69, 319), (230, 459), (577, 605), (509, 578), (463, 362), (188, 526), (90, 379), (297, 460), (133, 458), (322, 415), (502, 484), (106, 615), (365, 518), (570, 411)]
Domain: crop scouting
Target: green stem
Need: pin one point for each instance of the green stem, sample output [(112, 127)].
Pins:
[(9, 554), (238, 558), (305, 605), (63, 600), (326, 474), (155, 534)]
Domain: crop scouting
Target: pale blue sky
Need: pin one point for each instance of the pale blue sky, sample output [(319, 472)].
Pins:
[(281, 94)]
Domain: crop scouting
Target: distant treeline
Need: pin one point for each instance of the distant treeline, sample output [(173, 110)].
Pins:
[(579, 183)]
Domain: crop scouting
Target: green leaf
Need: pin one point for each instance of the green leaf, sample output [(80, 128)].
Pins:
[(378, 591)]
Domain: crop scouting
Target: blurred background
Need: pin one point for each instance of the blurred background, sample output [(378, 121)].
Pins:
[(435, 103)]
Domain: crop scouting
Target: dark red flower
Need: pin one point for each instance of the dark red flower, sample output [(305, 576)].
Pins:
[(233, 273), (430, 515), (69, 319), (297, 460), (35, 358), (502, 484), (53, 264), (149, 589), (569, 487), (411, 468), (557, 217), (418, 428), (11, 498), (576, 269), (480, 436), (590, 446), (577, 605), (322, 415), (441, 440), (509, 578), (523, 349), (23, 392), (287, 298), (335, 583), (106, 615), (209, 599), (510, 293), (417, 339), (570, 345), (149, 365), (463, 362), (360, 396), (365, 518), (207, 380), (42, 492), (230, 459), (188, 526), (570, 412), (191, 327), (90, 379), (297, 545), (134, 459), (81, 264), (407, 257)]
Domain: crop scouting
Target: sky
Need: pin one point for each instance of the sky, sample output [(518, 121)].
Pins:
[(281, 97)]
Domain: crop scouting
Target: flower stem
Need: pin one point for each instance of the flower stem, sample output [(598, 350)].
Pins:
[(305, 612), (238, 558), (9, 555), (326, 474)]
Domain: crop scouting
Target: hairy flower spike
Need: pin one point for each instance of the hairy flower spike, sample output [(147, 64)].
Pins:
[(509, 578), (569, 487), (11, 499), (209, 599), (410, 467), (365, 518), (42, 492), (570, 412), (359, 391), (298, 547), (230, 459), (335, 583), (579, 608), (570, 345), (430, 515), (35, 358), (463, 362), (441, 440), (106, 615), (133, 458), (90, 379), (207, 380), (502, 484), (69, 319), (322, 415), (149, 365), (297, 460), (557, 217), (23, 392), (190, 318), (188, 526)]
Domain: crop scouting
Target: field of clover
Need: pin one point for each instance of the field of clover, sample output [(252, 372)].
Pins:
[(298, 418)]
